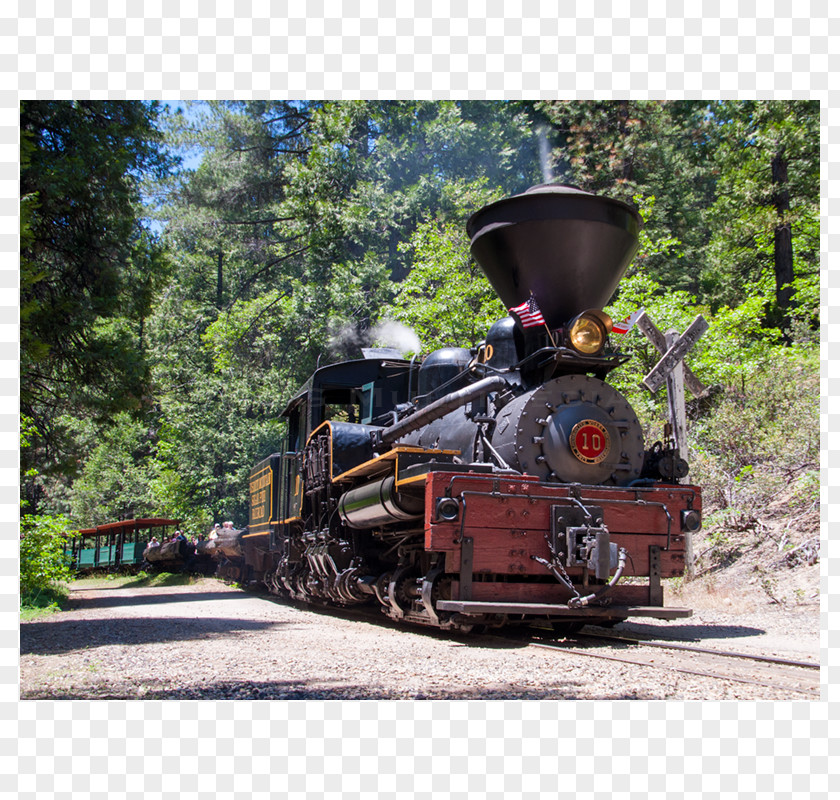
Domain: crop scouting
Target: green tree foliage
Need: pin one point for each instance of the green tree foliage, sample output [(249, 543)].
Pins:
[(296, 219), (735, 347), (649, 149), (115, 480), (736, 183), (292, 230), (446, 298), (89, 271), (83, 252), (765, 216), (221, 216), (43, 560), (377, 171)]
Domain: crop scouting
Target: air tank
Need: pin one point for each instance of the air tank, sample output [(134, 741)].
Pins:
[(566, 247), (378, 503)]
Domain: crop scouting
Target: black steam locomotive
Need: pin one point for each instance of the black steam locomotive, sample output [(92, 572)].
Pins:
[(503, 484)]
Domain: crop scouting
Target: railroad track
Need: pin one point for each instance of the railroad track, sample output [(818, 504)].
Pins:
[(787, 675), (800, 677)]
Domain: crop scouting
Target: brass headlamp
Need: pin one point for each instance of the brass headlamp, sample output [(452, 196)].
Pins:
[(587, 332)]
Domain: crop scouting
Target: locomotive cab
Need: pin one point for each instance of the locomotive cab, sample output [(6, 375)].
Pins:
[(347, 397), (352, 391)]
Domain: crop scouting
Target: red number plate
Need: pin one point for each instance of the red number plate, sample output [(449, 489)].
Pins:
[(589, 441)]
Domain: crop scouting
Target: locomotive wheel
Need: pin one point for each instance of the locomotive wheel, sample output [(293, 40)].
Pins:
[(380, 589), (398, 597)]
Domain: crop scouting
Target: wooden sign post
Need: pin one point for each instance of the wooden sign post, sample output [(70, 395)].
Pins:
[(659, 342), (671, 371)]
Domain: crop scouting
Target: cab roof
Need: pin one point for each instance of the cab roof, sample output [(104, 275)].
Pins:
[(351, 374)]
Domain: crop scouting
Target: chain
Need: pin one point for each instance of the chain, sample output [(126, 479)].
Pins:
[(559, 564), (555, 567)]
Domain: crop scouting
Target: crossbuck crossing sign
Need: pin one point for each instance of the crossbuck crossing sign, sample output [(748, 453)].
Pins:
[(675, 354)]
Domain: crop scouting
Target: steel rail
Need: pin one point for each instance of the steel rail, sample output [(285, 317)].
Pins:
[(684, 670), (707, 650), (364, 613)]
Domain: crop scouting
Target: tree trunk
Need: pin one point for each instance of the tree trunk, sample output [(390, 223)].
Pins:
[(782, 238), (219, 282)]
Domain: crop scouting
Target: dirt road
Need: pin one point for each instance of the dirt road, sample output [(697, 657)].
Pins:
[(209, 640)]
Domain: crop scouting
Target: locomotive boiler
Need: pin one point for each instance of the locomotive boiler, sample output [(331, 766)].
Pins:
[(501, 484)]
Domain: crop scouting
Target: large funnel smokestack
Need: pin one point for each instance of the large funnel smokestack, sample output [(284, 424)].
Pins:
[(565, 246)]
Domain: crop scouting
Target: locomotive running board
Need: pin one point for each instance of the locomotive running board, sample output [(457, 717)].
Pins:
[(542, 609)]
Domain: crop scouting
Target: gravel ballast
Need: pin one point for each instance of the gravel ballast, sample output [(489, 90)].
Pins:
[(208, 640)]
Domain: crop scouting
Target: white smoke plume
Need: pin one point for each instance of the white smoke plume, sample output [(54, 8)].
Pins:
[(347, 341), (545, 154), (389, 333)]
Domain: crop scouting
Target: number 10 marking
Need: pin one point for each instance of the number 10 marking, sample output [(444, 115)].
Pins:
[(597, 442)]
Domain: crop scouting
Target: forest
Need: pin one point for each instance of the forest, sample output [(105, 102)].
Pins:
[(185, 267)]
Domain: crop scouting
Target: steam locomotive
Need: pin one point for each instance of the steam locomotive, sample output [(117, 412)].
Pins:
[(498, 485)]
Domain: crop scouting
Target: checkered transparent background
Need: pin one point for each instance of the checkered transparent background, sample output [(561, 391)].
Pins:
[(500, 49)]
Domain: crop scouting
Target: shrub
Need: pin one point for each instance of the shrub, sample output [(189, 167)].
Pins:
[(43, 561), (758, 443)]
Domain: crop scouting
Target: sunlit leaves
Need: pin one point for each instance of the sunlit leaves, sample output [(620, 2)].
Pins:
[(446, 299), (42, 552), (114, 481)]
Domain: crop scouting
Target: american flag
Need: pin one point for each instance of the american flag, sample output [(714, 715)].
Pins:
[(529, 313)]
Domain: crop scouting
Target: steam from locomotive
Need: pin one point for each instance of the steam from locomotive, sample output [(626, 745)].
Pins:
[(485, 486)]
